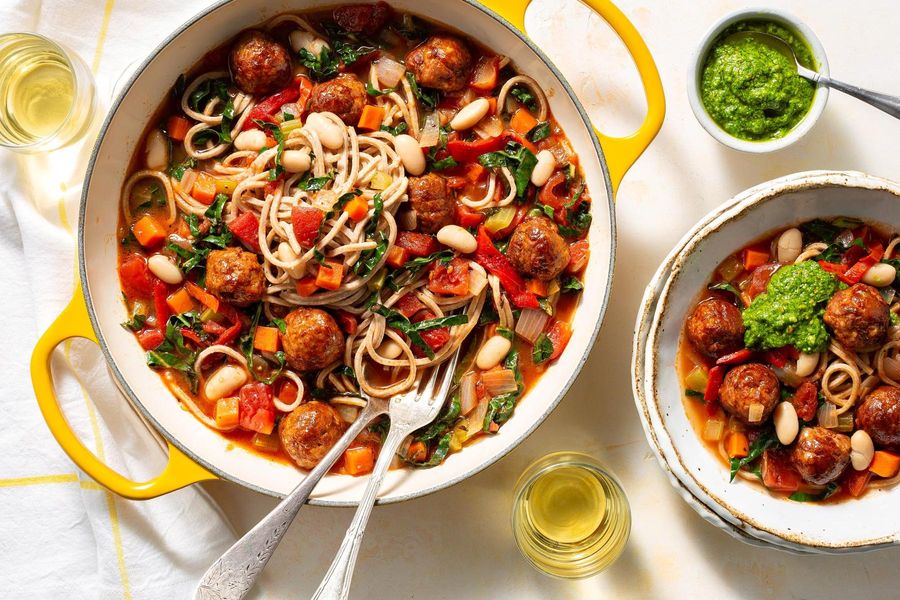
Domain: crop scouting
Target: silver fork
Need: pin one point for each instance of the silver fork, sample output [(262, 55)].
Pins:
[(408, 412)]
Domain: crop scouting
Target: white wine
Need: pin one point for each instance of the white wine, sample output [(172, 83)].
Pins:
[(570, 518)]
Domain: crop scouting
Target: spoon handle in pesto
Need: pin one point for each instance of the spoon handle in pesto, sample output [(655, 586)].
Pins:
[(887, 103)]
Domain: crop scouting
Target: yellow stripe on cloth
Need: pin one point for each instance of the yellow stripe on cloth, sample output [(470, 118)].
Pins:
[(101, 37), (49, 479)]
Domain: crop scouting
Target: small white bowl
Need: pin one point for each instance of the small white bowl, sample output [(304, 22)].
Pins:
[(698, 60)]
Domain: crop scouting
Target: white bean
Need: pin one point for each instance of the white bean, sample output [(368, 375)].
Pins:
[(305, 40), (546, 164), (789, 246), (225, 380), (410, 153), (390, 349), (806, 364), (457, 238), (163, 267), (156, 155), (469, 115), (295, 161), (287, 254), (862, 450), (331, 136), (493, 351), (880, 275), (252, 139), (786, 422)]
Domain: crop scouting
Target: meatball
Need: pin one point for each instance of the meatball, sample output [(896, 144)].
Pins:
[(309, 431), (433, 202), (859, 318), (367, 19), (312, 339), (820, 455), (716, 328), (442, 62), (235, 276), (749, 384), (259, 64), (537, 249), (879, 416), (345, 96)]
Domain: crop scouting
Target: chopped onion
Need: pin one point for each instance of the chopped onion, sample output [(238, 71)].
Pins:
[(389, 71), (476, 420), (755, 412), (324, 200), (468, 398), (187, 180), (697, 379), (788, 375), (845, 238), (531, 323), (499, 381), (291, 108), (845, 422), (490, 126), (430, 133), (477, 281), (888, 293), (892, 368), (501, 219), (827, 416), (348, 413), (714, 430)]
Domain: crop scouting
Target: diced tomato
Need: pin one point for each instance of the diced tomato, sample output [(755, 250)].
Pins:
[(346, 321), (711, 395), (484, 75), (265, 109), (736, 358), (856, 481), (466, 217), (579, 253), (418, 244), (493, 261), (455, 182), (408, 305), (160, 303), (245, 227), (137, 280), (806, 401), (779, 357), (759, 279), (149, 339), (230, 334), (451, 279), (257, 408), (306, 221), (559, 333), (777, 472), (435, 338)]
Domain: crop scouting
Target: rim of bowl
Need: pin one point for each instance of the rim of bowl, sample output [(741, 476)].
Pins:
[(698, 59)]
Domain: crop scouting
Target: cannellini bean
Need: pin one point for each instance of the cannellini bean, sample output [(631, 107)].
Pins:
[(880, 275), (410, 153), (390, 349), (331, 136), (287, 254), (252, 139), (469, 115), (789, 246), (786, 422), (861, 450), (493, 351), (457, 238), (546, 164), (156, 155), (295, 161), (163, 267), (806, 364), (305, 40), (225, 380)]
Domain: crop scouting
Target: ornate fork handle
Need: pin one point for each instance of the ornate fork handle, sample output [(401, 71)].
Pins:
[(235, 572)]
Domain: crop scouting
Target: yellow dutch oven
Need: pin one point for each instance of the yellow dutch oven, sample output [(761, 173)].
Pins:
[(197, 453)]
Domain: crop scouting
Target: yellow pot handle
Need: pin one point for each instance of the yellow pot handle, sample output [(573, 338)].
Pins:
[(620, 152), (74, 322)]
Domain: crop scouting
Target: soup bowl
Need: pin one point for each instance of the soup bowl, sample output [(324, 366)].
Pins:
[(743, 508), (198, 453)]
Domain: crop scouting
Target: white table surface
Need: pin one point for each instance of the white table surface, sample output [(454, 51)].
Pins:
[(457, 544)]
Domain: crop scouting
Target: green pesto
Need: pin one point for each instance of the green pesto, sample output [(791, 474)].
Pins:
[(750, 89), (789, 312)]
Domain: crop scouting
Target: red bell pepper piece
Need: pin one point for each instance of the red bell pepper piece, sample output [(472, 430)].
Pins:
[(465, 152), (736, 358), (418, 244), (230, 334), (299, 92), (245, 227), (487, 255), (189, 334), (713, 383), (163, 312), (855, 273), (778, 357), (466, 217), (149, 339)]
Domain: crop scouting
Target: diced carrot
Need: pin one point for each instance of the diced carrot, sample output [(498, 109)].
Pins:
[(177, 127), (148, 231), (359, 460), (522, 121), (357, 208), (559, 333), (417, 452), (225, 186), (397, 256), (755, 258), (474, 172), (492, 105), (493, 427), (266, 339), (538, 287), (227, 412), (204, 297), (180, 301), (307, 286), (204, 189), (885, 464), (857, 482), (330, 275), (737, 445), (371, 118)]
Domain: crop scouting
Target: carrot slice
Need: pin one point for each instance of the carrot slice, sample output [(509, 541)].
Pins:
[(397, 256), (417, 452), (307, 286), (522, 121), (359, 460), (330, 275), (204, 297), (148, 231), (371, 118), (266, 339), (755, 258), (180, 301), (204, 189), (885, 464), (737, 445), (227, 412), (177, 127), (538, 287), (357, 208)]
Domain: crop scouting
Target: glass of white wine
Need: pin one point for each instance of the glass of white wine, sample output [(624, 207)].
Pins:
[(570, 518), (47, 94)]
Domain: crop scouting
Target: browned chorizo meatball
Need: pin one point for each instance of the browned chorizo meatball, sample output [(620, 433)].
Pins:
[(859, 318), (312, 339), (345, 96), (442, 62), (537, 249), (367, 19), (748, 384), (879, 416), (433, 202), (716, 328), (235, 276), (820, 455), (259, 64), (309, 431)]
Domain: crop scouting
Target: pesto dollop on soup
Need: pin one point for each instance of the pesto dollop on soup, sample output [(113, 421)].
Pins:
[(749, 88), (789, 312)]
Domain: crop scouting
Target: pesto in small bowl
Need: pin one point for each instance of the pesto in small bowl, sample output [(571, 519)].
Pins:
[(749, 88)]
